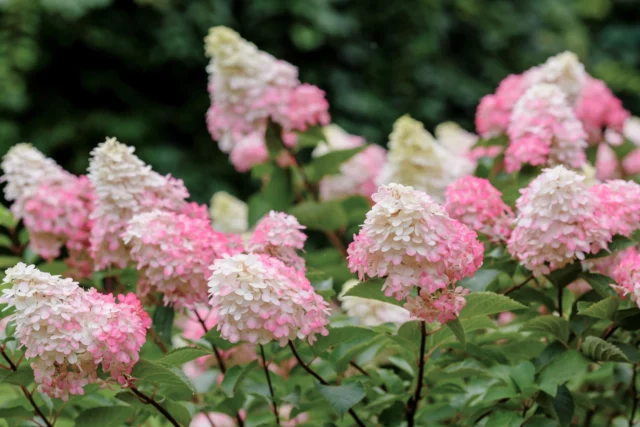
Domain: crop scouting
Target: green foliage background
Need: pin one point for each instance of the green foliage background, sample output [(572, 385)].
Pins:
[(75, 71)]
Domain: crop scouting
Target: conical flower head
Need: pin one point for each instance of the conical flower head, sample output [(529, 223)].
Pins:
[(619, 201), (68, 332), (247, 88), (558, 221), (475, 202), (125, 186), (563, 70), (25, 168), (54, 205), (257, 298), (416, 159), (280, 235), (410, 240), (544, 131), (174, 252)]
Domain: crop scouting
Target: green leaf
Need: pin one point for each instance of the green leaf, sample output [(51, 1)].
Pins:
[(523, 375), (409, 334), (356, 208), (566, 275), (604, 309), (340, 336), (234, 377), (111, 416), (628, 319), (5, 241), (504, 419), (213, 336), (167, 379), (6, 218), (599, 283), (469, 325), (180, 356), (278, 192), (16, 412), (330, 163), (23, 376), (485, 303), (326, 216), (481, 280), (556, 326), (561, 369), (9, 261), (458, 330), (564, 406), (342, 397), (54, 268), (258, 207), (310, 138), (372, 289), (177, 410), (163, 322), (600, 350)]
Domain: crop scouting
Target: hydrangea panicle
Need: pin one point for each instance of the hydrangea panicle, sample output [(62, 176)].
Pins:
[(248, 88), (279, 234), (619, 201), (457, 140), (257, 298), (68, 332), (174, 252), (410, 240), (598, 108), (558, 221), (417, 160), (627, 275), (54, 205), (478, 204), (125, 186), (228, 213), (544, 131)]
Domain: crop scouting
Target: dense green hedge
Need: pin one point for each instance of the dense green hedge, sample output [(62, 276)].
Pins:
[(74, 71)]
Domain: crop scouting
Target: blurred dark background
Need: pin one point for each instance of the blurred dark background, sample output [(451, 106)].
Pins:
[(75, 71)]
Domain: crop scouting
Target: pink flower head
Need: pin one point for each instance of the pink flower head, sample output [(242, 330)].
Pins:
[(627, 275), (478, 204), (68, 332), (54, 205), (558, 221), (631, 163), (125, 186), (302, 107), (259, 299), (544, 131), (249, 151), (357, 175), (410, 240), (606, 163), (279, 234), (174, 252), (494, 111), (248, 88), (598, 108), (619, 201)]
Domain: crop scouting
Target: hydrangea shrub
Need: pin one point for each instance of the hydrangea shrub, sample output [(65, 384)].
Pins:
[(455, 279)]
